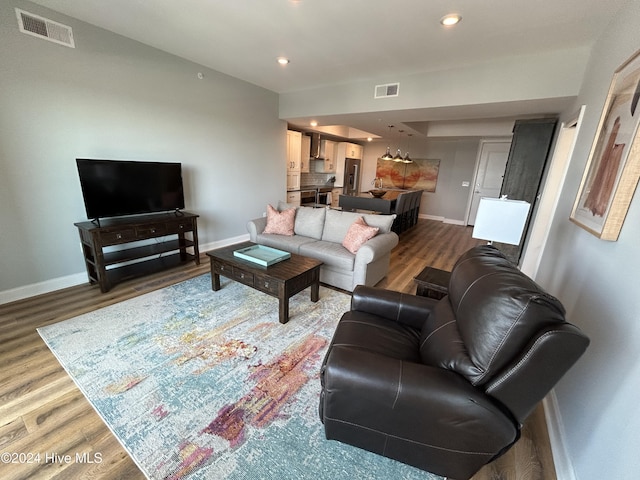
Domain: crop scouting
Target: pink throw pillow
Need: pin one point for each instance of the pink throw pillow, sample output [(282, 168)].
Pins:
[(359, 232), (280, 223)]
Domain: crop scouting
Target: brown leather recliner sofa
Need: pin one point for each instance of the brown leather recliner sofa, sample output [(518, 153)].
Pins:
[(445, 385)]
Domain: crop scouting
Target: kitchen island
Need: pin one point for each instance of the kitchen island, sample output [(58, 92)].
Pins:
[(365, 201)]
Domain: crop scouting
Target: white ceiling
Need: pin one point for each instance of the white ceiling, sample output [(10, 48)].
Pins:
[(342, 41)]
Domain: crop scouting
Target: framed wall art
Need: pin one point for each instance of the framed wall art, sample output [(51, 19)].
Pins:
[(420, 174), (613, 168)]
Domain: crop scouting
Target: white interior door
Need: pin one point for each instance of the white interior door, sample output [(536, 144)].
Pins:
[(491, 167)]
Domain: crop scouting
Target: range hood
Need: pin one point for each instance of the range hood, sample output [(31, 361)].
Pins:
[(317, 147)]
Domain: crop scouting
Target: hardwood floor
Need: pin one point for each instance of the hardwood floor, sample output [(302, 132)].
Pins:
[(43, 412)]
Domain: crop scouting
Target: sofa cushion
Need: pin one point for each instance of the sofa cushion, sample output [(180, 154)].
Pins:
[(359, 232), (383, 222), (285, 206), (284, 242), (280, 223), (333, 254), (337, 224), (309, 222), (371, 333)]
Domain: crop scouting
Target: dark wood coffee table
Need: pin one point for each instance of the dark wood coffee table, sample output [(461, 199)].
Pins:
[(281, 280)]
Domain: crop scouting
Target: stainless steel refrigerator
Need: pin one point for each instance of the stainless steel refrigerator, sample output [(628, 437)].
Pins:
[(351, 176)]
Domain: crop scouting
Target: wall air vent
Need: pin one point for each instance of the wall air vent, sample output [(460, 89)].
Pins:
[(44, 28), (387, 90)]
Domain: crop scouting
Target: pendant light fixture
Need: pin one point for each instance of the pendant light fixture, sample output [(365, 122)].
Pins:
[(406, 158), (387, 155), (398, 156)]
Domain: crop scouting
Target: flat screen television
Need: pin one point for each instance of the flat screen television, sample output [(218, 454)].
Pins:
[(113, 188)]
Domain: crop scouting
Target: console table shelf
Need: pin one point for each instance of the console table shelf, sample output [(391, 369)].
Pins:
[(137, 260), (120, 256), (146, 267)]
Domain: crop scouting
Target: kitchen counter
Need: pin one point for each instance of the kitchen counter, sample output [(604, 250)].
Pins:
[(317, 187), (390, 195)]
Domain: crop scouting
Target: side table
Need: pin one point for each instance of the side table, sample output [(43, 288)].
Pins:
[(432, 283)]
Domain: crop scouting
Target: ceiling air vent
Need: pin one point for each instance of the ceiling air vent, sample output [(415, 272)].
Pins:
[(44, 28), (387, 90)]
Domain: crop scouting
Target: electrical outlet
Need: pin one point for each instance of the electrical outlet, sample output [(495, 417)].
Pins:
[(465, 184)]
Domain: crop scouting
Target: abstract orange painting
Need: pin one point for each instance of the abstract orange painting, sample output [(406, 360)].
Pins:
[(420, 174)]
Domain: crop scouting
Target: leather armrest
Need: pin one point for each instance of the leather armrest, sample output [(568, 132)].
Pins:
[(413, 401), (539, 368), (396, 306)]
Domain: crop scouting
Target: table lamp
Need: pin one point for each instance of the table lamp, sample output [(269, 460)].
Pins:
[(501, 220)]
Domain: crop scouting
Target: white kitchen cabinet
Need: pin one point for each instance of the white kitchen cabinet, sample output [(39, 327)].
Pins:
[(294, 147), (305, 154), (293, 181), (353, 151), (349, 150), (335, 197), (328, 153), (293, 198)]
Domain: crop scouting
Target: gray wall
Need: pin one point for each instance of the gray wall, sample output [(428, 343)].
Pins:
[(598, 283), (112, 97), (457, 164)]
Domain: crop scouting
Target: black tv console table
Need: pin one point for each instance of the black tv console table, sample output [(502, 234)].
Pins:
[(119, 231)]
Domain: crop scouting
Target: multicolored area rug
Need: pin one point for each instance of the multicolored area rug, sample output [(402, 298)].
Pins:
[(198, 384)]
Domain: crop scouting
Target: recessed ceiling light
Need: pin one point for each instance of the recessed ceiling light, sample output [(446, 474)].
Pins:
[(313, 123), (283, 61), (451, 19)]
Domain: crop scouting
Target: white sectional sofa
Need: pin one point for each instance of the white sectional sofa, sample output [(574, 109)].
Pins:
[(319, 233)]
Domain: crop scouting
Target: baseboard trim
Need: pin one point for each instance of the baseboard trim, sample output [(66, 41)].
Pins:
[(431, 217), (442, 219), (223, 243), (453, 222), (20, 293), (555, 427), (26, 291)]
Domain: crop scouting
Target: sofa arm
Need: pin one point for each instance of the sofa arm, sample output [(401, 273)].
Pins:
[(367, 395), (255, 227), (395, 306), (376, 247)]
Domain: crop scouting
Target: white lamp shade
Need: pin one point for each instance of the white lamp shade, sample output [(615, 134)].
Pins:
[(501, 220)]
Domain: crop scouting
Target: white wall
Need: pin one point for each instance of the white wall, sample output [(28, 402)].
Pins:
[(114, 98), (598, 283), (551, 75)]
